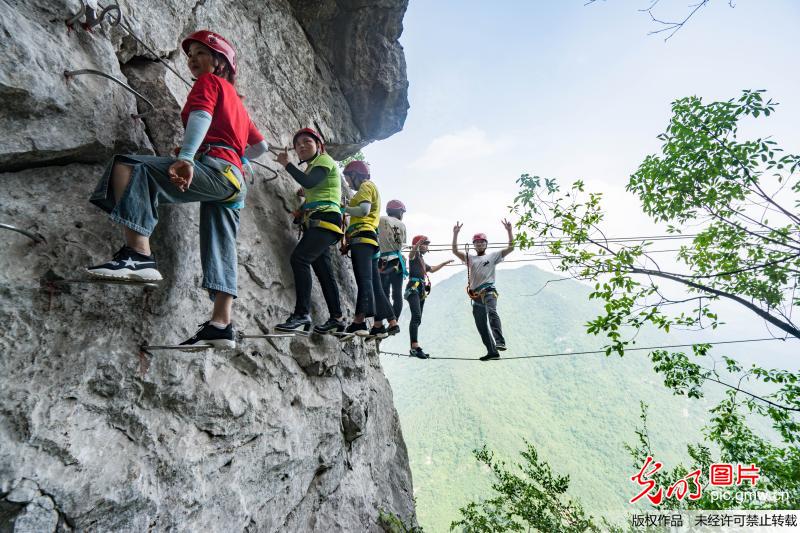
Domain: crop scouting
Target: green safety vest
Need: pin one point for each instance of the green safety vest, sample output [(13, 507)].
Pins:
[(327, 195)]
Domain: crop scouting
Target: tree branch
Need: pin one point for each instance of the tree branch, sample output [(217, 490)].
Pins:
[(736, 388), (788, 328)]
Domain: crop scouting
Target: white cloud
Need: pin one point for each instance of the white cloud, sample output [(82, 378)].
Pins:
[(469, 144)]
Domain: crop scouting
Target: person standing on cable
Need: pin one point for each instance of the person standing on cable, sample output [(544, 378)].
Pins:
[(392, 264), (208, 169), (418, 288), (481, 289), (321, 218), (362, 238)]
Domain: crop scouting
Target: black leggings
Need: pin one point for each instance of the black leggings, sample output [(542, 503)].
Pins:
[(415, 304), (313, 250), (392, 281), (371, 300)]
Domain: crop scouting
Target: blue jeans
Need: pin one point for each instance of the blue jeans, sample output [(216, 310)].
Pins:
[(150, 186)]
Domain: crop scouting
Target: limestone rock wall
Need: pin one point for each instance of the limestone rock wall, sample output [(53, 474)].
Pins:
[(286, 435)]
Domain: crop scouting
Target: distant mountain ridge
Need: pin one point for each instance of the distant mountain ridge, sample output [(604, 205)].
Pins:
[(578, 411)]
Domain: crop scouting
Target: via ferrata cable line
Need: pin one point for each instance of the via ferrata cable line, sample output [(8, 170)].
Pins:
[(71, 73), (606, 351), (610, 240)]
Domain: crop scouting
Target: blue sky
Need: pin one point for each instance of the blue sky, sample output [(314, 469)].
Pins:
[(564, 90)]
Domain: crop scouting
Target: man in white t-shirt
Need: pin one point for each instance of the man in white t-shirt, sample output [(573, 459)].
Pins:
[(480, 274), (392, 264)]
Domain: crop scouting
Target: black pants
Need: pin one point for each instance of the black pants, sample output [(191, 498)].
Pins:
[(370, 300), (415, 304), (392, 281), (313, 250), (486, 311)]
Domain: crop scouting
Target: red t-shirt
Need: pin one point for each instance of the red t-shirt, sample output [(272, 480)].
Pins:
[(230, 123)]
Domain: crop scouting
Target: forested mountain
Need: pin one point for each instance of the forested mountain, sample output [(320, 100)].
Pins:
[(578, 410)]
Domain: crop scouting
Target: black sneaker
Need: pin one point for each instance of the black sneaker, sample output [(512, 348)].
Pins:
[(301, 325), (359, 328), (501, 346), (490, 357), (417, 352), (378, 332), (127, 264), (216, 337), (331, 326), (393, 330)]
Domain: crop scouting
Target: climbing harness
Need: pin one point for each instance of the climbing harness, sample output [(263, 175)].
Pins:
[(35, 237), (324, 224), (421, 286), (71, 73), (414, 285), (383, 264), (364, 236), (308, 208), (225, 170), (363, 240), (231, 177), (477, 295)]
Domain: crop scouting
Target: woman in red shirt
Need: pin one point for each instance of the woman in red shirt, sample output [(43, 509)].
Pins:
[(208, 169)]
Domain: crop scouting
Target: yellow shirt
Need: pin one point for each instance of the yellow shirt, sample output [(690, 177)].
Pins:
[(367, 192)]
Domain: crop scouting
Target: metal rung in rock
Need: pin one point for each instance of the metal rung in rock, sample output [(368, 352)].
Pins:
[(102, 281), (180, 347)]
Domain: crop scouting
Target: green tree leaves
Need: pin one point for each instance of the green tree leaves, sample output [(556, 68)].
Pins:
[(528, 497), (744, 195)]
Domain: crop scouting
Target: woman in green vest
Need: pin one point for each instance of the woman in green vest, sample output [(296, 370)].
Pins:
[(322, 228)]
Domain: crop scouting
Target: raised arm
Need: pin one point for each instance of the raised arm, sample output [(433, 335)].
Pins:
[(413, 253), (310, 180), (440, 266), (505, 251), (458, 254)]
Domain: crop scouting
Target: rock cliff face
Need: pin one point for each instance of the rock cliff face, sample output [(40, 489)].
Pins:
[(285, 435)]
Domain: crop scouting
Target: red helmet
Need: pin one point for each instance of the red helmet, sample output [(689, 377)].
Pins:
[(312, 133), (396, 205), (357, 167), (420, 238), (479, 237), (216, 42)]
